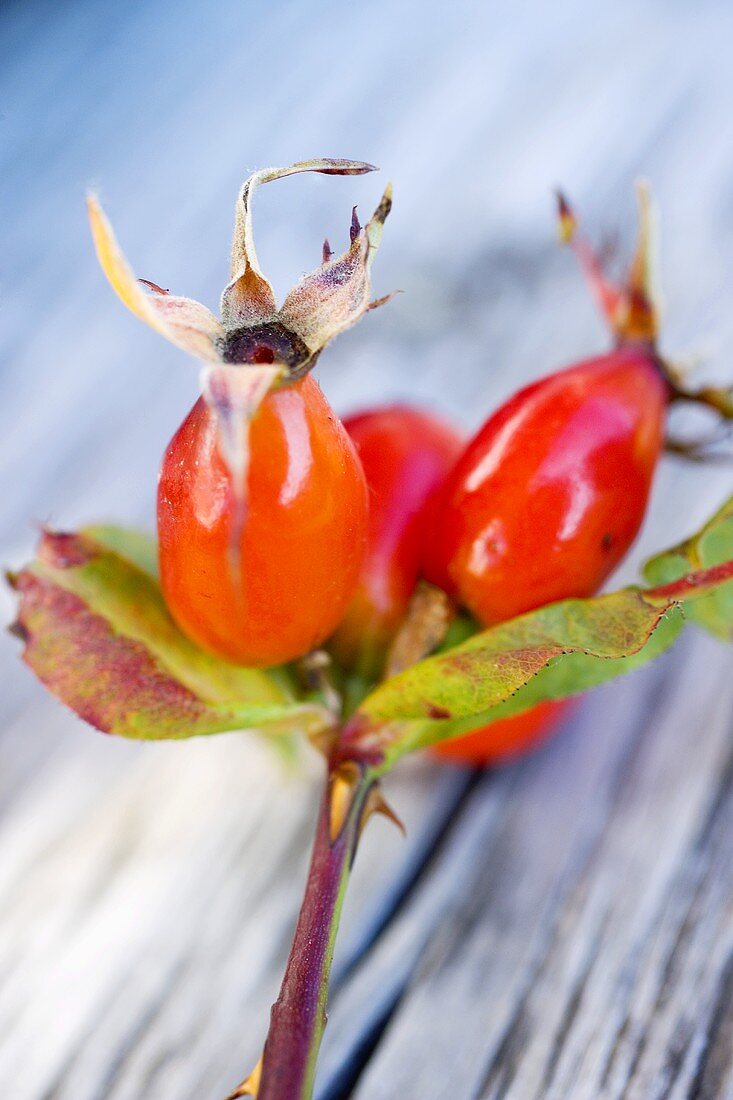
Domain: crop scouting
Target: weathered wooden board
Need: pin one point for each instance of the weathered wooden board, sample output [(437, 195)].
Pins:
[(563, 928)]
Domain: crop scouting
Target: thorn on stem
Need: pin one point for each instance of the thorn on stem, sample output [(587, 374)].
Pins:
[(355, 227), (344, 785), (327, 251), (376, 803), (250, 1086)]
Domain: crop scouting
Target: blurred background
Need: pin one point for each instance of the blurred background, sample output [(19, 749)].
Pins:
[(475, 112), (146, 916)]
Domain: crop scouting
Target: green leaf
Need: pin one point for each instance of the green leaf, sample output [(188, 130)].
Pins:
[(98, 634), (710, 546), (138, 547), (556, 651)]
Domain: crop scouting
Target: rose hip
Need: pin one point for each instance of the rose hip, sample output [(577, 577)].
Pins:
[(406, 455), (299, 551), (550, 493)]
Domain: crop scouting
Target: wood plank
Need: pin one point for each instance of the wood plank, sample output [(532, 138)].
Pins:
[(575, 937)]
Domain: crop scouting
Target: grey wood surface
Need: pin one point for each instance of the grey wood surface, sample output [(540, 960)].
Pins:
[(561, 928)]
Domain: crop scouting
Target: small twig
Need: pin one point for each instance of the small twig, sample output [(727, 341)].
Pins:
[(425, 626)]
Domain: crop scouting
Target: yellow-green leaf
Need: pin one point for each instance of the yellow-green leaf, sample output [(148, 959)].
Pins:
[(555, 651), (138, 547)]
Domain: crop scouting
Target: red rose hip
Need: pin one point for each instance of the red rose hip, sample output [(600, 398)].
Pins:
[(406, 455), (262, 502), (551, 492)]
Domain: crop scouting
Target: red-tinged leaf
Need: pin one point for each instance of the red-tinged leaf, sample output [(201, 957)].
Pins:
[(556, 651), (97, 633)]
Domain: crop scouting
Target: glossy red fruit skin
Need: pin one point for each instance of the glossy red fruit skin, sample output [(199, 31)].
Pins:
[(551, 492), (506, 738), (406, 455), (302, 540)]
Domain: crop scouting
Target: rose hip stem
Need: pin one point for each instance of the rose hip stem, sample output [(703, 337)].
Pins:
[(298, 1017)]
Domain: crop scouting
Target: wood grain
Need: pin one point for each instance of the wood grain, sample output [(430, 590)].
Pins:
[(562, 928)]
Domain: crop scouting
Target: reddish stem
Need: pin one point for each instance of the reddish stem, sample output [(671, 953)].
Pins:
[(693, 584), (298, 1017)]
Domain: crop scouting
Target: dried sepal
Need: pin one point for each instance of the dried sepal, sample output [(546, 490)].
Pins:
[(235, 395), (253, 330), (248, 299), (632, 307), (186, 323), (334, 296), (605, 292), (256, 346), (429, 616), (638, 315)]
